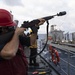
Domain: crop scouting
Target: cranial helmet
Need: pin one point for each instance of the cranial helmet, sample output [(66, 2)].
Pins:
[(6, 18)]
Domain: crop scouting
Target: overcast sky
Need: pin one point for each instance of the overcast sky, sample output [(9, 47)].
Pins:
[(24, 10)]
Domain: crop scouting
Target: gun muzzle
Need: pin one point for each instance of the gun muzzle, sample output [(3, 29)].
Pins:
[(61, 13)]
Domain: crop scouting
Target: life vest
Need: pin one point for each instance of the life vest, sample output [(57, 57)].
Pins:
[(34, 45), (54, 55)]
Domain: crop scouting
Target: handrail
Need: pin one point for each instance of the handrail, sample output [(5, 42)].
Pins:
[(68, 62)]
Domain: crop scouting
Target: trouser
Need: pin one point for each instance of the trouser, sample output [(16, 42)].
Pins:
[(33, 52)]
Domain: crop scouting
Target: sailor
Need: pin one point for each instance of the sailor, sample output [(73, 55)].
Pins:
[(12, 58), (33, 54)]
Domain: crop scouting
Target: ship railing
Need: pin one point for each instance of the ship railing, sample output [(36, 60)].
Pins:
[(69, 62)]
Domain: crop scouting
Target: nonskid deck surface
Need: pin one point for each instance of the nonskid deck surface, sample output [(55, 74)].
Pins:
[(39, 71), (42, 69)]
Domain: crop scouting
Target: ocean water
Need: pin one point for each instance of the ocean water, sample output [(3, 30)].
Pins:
[(41, 36)]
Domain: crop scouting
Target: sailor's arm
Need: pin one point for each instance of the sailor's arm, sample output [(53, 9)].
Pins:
[(10, 49)]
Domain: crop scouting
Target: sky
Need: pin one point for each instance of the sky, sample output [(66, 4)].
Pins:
[(28, 10)]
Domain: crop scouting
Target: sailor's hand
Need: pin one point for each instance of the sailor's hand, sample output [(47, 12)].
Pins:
[(19, 31), (41, 21)]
